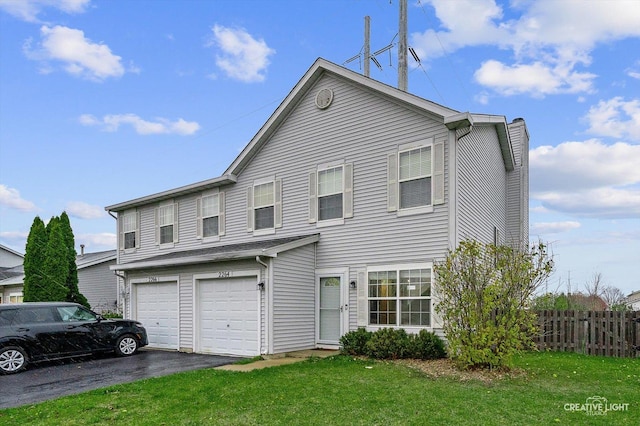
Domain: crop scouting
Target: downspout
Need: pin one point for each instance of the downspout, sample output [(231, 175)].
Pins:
[(266, 308), (123, 293)]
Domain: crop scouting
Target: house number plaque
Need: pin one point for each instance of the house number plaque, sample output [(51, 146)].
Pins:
[(224, 274)]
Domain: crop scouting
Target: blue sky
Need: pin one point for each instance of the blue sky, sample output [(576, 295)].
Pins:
[(103, 101)]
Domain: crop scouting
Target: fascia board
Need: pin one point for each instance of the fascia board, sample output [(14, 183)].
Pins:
[(176, 192)]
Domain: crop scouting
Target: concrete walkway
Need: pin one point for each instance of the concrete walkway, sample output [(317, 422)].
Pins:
[(274, 361)]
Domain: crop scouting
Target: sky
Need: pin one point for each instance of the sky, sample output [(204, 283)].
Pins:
[(104, 101)]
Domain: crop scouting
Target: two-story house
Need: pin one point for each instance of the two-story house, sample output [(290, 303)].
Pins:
[(331, 218)]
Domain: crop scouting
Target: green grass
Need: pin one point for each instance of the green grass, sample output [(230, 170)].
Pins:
[(341, 390)]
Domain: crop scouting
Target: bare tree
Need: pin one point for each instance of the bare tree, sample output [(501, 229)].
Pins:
[(594, 289), (614, 297)]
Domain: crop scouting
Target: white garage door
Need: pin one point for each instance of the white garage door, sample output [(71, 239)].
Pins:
[(228, 316), (157, 310)]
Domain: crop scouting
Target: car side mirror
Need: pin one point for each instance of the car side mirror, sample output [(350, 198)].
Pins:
[(99, 318)]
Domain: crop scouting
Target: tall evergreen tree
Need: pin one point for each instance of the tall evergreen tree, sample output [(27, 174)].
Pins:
[(34, 284), (73, 294), (56, 265)]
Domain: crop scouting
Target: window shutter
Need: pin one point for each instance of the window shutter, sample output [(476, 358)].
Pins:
[(392, 182), (313, 197), (438, 173), (121, 231), (250, 209), (348, 190), (175, 223), (199, 218), (221, 214), (362, 300), (157, 225), (137, 229), (278, 204)]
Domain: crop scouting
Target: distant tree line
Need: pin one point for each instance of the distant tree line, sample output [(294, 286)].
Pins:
[(596, 296), (50, 271)]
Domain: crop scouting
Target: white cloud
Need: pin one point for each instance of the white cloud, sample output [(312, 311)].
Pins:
[(542, 228), (84, 211), (28, 10), (103, 240), (78, 55), (111, 123), (615, 118), (537, 78), (242, 56), (587, 179), (11, 198), (549, 40), (14, 235), (590, 164)]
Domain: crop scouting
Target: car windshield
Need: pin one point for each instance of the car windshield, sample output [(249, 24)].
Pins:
[(75, 313)]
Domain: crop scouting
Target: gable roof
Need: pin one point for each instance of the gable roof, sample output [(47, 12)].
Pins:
[(450, 117), (248, 250)]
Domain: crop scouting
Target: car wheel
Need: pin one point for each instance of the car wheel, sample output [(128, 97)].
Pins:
[(12, 360), (126, 345)]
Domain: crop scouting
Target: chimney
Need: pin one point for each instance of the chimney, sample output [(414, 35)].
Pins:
[(81, 250)]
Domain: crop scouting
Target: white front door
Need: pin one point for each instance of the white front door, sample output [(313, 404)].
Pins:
[(332, 308)]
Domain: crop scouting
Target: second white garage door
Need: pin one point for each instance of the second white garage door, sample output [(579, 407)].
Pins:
[(228, 316)]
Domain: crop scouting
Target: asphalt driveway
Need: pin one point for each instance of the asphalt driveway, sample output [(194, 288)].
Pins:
[(53, 380)]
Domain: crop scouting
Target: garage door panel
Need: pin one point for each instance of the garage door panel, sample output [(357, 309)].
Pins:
[(157, 310), (228, 316)]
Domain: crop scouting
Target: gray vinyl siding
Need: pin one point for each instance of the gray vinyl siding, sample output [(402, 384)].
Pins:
[(294, 303), (100, 286), (518, 186), (9, 259), (481, 187), (359, 127)]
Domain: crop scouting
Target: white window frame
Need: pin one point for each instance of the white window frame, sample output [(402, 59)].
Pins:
[(276, 204), (365, 298), (346, 190), (436, 175), (132, 217), (173, 207), (220, 214), (16, 297)]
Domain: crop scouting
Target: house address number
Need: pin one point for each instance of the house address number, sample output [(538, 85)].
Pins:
[(152, 279), (224, 274)]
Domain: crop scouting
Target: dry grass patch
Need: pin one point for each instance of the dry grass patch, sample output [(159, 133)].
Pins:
[(445, 368)]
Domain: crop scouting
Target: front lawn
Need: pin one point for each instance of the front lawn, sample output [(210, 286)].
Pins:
[(547, 388)]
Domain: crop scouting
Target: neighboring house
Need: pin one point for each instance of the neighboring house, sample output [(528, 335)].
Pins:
[(330, 218), (10, 267), (633, 301), (95, 281)]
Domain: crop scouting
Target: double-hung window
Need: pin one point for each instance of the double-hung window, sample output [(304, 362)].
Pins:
[(330, 190), (416, 177), (331, 193), (264, 206), (399, 296), (167, 224), (210, 215), (129, 235)]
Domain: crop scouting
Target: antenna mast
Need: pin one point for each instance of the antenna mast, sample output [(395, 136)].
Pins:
[(402, 48), (367, 46)]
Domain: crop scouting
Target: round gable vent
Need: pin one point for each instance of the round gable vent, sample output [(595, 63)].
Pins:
[(324, 98)]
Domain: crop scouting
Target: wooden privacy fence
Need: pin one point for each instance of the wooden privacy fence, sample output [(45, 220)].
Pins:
[(608, 333)]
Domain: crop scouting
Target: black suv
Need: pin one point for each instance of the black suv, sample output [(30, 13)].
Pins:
[(32, 332)]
